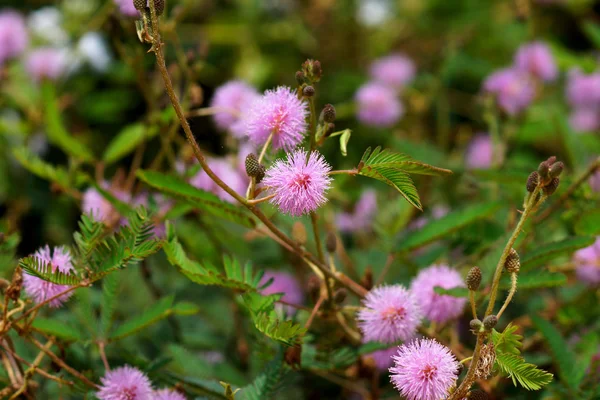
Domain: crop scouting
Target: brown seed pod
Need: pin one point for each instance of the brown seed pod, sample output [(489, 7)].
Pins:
[(552, 186), (474, 278), (533, 181), (513, 262)]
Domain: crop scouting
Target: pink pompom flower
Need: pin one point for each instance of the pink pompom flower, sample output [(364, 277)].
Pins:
[(13, 35), (298, 184), (480, 151), (383, 358), (286, 283), (390, 313), (228, 173), (362, 217), (512, 88), (100, 209), (125, 383), (585, 119), (395, 71), (377, 105), (127, 8), (583, 91), (587, 261), (424, 370), (438, 307), (536, 59), (168, 394), (232, 101), (278, 112), (46, 63), (40, 290)]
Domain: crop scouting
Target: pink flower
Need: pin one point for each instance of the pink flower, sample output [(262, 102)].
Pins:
[(390, 313), (424, 370), (362, 217), (278, 112), (438, 211), (583, 91), (585, 119), (286, 283), (125, 383), (299, 185), (536, 59), (587, 261), (46, 63), (228, 174), (395, 71), (127, 8), (233, 99), (162, 205), (94, 204), (377, 105), (479, 152), (168, 394), (13, 35), (383, 358), (513, 90), (438, 307), (40, 290), (595, 182)]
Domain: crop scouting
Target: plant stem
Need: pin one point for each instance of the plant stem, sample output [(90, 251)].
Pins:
[(160, 61), (344, 171), (511, 293), (315, 227), (464, 387), (472, 301)]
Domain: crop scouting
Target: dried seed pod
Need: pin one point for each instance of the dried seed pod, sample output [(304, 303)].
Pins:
[(489, 322), (475, 325), (478, 395), (533, 181), (512, 262), (308, 91), (486, 361), (159, 6), (140, 4), (330, 242), (293, 357), (473, 278), (552, 186), (340, 295), (329, 113)]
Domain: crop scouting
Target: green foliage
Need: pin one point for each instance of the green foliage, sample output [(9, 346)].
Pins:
[(328, 360), (394, 169), (57, 133), (589, 223), (37, 267), (158, 311), (202, 200), (592, 31), (37, 166), (126, 141), (235, 277), (548, 251), (57, 328), (446, 225), (508, 359), (454, 292), (110, 287), (535, 280), (265, 385)]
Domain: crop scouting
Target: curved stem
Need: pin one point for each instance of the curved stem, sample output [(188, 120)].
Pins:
[(472, 301), (344, 171), (511, 293)]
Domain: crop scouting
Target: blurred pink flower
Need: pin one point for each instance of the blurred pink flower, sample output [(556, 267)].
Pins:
[(125, 383), (168, 394), (585, 119), (587, 261), (389, 314), (513, 90), (438, 211), (438, 307), (362, 217), (234, 98), (127, 8), (395, 71), (479, 152), (377, 105), (40, 290), (163, 205), (583, 91), (228, 173), (94, 204), (595, 181), (299, 184), (536, 59), (283, 282), (281, 113), (383, 358), (13, 35), (46, 63), (424, 370)]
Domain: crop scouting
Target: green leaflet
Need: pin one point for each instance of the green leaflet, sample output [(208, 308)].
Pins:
[(46, 171), (394, 169), (535, 280), (589, 223), (548, 251), (202, 200), (57, 328), (38, 268), (126, 141), (158, 311), (265, 385), (452, 222), (110, 287)]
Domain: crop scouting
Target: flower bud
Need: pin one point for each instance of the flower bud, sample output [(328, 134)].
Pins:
[(314, 288), (552, 186), (475, 325), (556, 169), (551, 160), (532, 181), (329, 113), (252, 166), (308, 91), (478, 395), (300, 78), (489, 322), (293, 357), (367, 279), (312, 70), (159, 6), (299, 232), (140, 4), (330, 242), (544, 169), (473, 278), (513, 262), (340, 295)]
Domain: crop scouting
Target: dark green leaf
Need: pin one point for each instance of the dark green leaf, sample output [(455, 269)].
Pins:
[(158, 311), (57, 328), (589, 223), (40, 269), (548, 251), (126, 141)]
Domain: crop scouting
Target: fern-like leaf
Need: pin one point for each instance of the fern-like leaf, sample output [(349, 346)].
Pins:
[(265, 385), (37, 267), (527, 375)]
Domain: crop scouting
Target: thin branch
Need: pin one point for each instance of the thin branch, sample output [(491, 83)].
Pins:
[(511, 293)]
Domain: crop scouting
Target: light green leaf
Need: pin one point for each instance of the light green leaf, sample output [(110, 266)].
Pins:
[(397, 179), (57, 328), (589, 223), (548, 251), (592, 31), (527, 375), (201, 199), (126, 141), (186, 308), (158, 311), (446, 225), (535, 280), (265, 384), (388, 158), (344, 139), (57, 133), (42, 169), (37, 267)]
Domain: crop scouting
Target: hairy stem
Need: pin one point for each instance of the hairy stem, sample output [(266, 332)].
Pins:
[(511, 293), (472, 301)]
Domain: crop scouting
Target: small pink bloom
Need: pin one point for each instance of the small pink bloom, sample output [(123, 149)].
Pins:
[(536, 59), (286, 283), (395, 71), (125, 383), (595, 182), (585, 119), (228, 173), (587, 261), (168, 394), (46, 63), (94, 204), (479, 153), (438, 307), (362, 217), (127, 8), (378, 105), (299, 184), (278, 112), (390, 313), (40, 290), (13, 35), (424, 370), (583, 91), (383, 358), (513, 90), (234, 99)]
